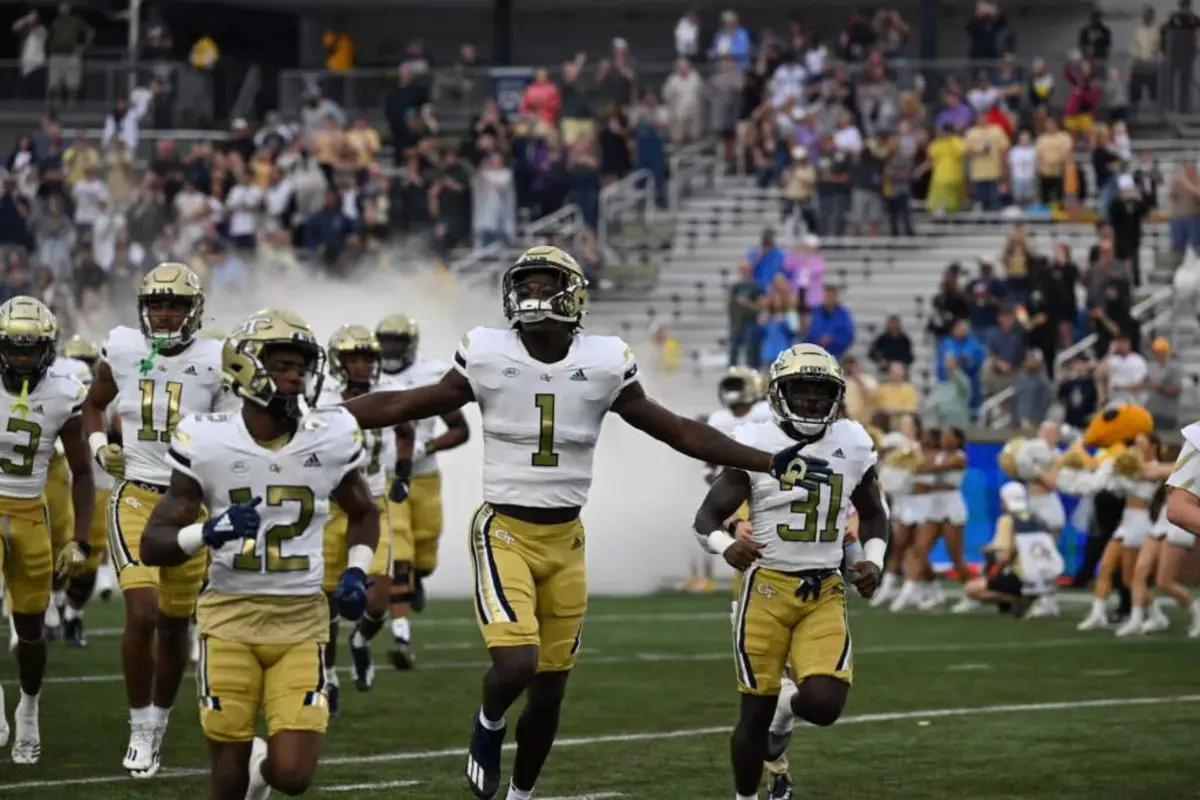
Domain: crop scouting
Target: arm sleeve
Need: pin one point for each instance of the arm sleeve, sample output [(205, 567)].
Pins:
[(181, 453), (627, 369)]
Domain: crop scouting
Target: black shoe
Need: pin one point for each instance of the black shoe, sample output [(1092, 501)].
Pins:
[(777, 745), (402, 655), (418, 597), (333, 698), (73, 633), (364, 668), (483, 760), (780, 788)]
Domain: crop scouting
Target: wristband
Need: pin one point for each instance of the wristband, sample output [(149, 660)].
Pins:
[(360, 556), (719, 541), (97, 441), (874, 549), (191, 538)]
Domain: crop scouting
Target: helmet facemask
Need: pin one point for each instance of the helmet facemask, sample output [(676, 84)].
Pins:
[(399, 352), (806, 404), (523, 306), (262, 389), (183, 335), (35, 355), (358, 384), (734, 390)]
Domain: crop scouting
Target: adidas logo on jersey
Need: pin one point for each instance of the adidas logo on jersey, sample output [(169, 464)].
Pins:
[(38, 409), (312, 460), (578, 375), (838, 453), (190, 370)]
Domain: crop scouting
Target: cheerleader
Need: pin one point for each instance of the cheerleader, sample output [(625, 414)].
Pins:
[(1161, 557), (896, 477), (948, 514), (1037, 461), (919, 585), (1136, 475)]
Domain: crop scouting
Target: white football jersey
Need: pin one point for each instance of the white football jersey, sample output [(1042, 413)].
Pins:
[(541, 421), (423, 372), (28, 436), (723, 419), (79, 370), (380, 442), (1186, 474), (798, 529), (154, 394), (294, 482)]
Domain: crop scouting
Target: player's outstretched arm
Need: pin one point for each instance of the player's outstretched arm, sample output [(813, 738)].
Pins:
[(457, 433), (867, 498), (83, 488), (706, 443), (362, 515), (387, 408), (725, 496), (177, 510)]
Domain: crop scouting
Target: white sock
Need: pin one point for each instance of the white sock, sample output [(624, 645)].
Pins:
[(400, 629), (1137, 615), (59, 597), (487, 723), (1098, 606), (739, 796), (161, 715), (357, 639), (784, 720), (138, 716), (518, 794), (71, 613), (28, 704), (331, 676), (1196, 608)]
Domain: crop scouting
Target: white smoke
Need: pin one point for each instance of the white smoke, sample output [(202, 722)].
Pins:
[(644, 496)]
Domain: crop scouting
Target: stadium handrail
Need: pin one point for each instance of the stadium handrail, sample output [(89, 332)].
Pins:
[(992, 411), (630, 199)]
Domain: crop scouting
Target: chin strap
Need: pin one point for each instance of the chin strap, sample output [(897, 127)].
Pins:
[(147, 363), (21, 407)]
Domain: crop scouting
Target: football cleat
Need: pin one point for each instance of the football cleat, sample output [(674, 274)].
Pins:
[(73, 634), (27, 740), (364, 668), (140, 755), (418, 596), (402, 655), (483, 759), (780, 788), (257, 787)]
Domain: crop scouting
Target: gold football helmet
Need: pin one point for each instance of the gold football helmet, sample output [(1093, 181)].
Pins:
[(806, 390), (398, 335), (82, 349), (1008, 456), (354, 339), (242, 360), (28, 332), (170, 281), (567, 305), (741, 386)]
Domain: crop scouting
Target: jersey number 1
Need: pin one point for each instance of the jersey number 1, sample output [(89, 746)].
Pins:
[(809, 507), (147, 432), (545, 455)]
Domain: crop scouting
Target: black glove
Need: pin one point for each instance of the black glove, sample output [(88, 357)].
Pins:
[(792, 469), (398, 493)]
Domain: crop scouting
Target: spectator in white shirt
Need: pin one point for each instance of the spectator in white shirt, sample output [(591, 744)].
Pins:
[(122, 122), (787, 83), (1022, 169), (193, 211), (1126, 371), (683, 93), (983, 95), (107, 225), (846, 136), (244, 204), (687, 34), (89, 195), (279, 194)]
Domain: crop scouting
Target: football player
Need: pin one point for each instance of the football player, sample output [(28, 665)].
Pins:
[(41, 406), (544, 389), (354, 364), (790, 603), (267, 474), (416, 522), (78, 357), (155, 375)]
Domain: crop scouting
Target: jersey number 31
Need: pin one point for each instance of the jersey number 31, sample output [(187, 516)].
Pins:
[(810, 507)]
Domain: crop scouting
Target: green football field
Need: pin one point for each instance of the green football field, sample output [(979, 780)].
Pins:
[(943, 706)]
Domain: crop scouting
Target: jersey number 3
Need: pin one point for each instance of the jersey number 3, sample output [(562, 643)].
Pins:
[(810, 508), (272, 558)]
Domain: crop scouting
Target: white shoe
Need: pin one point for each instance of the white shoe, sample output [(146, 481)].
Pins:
[(51, 619), (106, 581), (1131, 627), (1044, 606), (257, 788), (887, 590), (965, 606), (932, 597), (1194, 630), (160, 733), (906, 598), (1158, 618), (1094, 621), (140, 755), (27, 742), (3, 720)]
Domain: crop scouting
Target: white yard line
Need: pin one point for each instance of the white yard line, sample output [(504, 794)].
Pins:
[(353, 787), (634, 658), (592, 796), (651, 736)]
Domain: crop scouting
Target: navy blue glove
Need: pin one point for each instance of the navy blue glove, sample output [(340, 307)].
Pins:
[(398, 493), (350, 596), (240, 521), (793, 469)]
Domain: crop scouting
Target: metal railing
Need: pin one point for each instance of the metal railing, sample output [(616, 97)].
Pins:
[(564, 227), (102, 82), (629, 200), (994, 413)]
